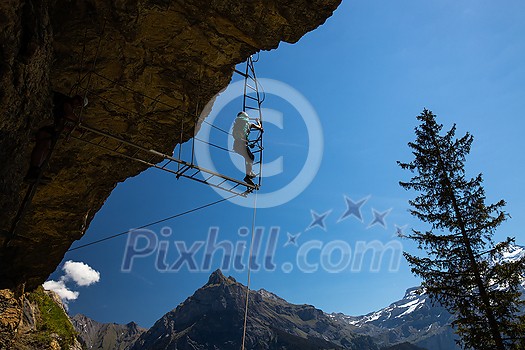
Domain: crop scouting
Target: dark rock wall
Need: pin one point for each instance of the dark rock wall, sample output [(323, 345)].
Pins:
[(179, 52)]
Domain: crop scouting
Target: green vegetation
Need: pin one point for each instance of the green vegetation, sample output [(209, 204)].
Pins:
[(463, 268), (52, 320)]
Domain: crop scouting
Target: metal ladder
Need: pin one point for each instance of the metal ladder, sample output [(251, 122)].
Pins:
[(252, 101), (179, 168)]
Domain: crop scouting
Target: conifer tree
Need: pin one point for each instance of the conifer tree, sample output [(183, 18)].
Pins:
[(462, 267)]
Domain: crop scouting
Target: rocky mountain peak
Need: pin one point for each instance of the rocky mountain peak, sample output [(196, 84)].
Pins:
[(414, 292), (217, 277), (213, 317)]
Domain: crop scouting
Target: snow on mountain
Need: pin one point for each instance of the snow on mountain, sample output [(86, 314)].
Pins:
[(415, 318), (513, 253), (414, 299)]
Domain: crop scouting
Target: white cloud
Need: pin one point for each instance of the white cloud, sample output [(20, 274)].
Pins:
[(81, 273), (60, 288)]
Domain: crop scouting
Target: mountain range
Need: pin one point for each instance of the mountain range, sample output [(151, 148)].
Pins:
[(414, 319), (213, 318), (95, 335)]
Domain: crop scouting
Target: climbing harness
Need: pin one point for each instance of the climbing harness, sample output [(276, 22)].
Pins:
[(131, 150)]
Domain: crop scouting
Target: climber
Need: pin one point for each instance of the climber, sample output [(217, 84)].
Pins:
[(241, 131), (65, 120)]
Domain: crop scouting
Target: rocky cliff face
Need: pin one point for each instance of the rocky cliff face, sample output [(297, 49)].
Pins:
[(212, 318), (36, 320), (179, 52)]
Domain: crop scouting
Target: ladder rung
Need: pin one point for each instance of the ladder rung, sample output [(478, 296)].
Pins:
[(251, 97), (254, 108), (162, 161), (183, 170), (135, 154), (246, 76), (251, 87), (251, 74), (195, 173), (241, 73), (165, 165), (118, 147), (101, 140)]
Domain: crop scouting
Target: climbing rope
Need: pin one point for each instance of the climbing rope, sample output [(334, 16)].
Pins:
[(152, 223), (155, 121), (249, 272), (154, 99)]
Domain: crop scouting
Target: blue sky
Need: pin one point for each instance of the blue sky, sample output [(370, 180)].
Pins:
[(367, 73)]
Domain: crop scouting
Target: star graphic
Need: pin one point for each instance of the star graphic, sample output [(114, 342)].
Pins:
[(353, 208), (379, 218), (400, 231), (318, 219), (292, 239)]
